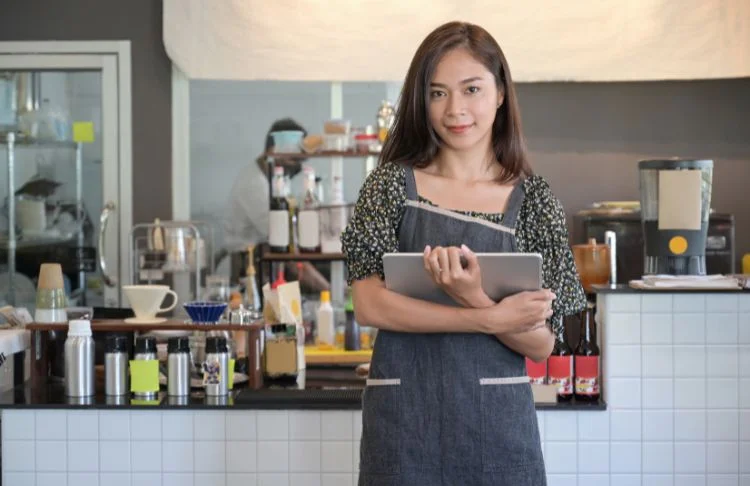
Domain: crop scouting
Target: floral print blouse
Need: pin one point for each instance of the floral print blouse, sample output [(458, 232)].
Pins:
[(540, 228)]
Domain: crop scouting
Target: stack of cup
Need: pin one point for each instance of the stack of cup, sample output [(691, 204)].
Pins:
[(50, 295)]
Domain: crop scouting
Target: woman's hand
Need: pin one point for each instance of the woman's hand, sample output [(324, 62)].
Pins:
[(464, 285), (521, 312)]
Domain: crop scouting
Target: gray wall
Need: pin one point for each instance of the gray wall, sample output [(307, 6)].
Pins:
[(139, 21)]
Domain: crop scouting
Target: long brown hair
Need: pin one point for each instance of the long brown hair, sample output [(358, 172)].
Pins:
[(412, 139)]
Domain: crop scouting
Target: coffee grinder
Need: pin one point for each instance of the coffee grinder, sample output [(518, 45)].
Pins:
[(675, 205)]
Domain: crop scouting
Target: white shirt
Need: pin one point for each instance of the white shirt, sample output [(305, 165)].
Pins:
[(246, 219)]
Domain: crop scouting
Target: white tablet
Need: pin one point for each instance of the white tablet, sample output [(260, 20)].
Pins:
[(503, 274)]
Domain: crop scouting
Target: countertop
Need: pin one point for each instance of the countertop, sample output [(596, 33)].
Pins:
[(626, 289)]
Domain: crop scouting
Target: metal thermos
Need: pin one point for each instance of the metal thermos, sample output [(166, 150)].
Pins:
[(610, 239), (116, 366), (216, 366), (79, 360), (145, 349), (178, 366)]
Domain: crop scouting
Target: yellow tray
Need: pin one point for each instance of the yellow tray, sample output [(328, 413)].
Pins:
[(330, 355)]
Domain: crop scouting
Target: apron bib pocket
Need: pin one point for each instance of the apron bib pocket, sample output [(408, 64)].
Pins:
[(381, 426)]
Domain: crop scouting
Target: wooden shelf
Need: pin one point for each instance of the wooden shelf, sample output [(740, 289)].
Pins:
[(301, 257), (323, 154), (119, 325)]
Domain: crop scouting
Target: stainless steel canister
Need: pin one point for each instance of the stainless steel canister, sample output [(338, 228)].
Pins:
[(216, 366), (178, 366), (145, 349), (79, 360), (116, 366)]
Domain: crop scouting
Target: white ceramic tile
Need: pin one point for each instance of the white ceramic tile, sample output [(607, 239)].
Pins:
[(336, 479), (623, 303), (623, 393), (625, 457), (177, 425), (19, 478), (272, 425), (722, 457), (209, 456), (337, 425), (18, 455), (626, 424), (177, 456), (51, 455), (744, 361), (146, 479), (593, 426), (658, 393), (722, 328), (241, 425), (723, 393), (336, 456), (744, 302), (690, 457), (241, 480), (145, 456), (689, 361), (593, 457), (114, 456), (304, 479), (723, 479), (273, 479), (145, 425), (185, 479), (689, 393), (658, 480), (623, 328), (560, 426), (723, 425), (356, 451), (83, 456), (114, 425), (657, 362), (625, 480), (209, 425), (658, 457), (656, 303), (114, 479), (690, 479), (744, 325), (273, 456), (357, 424), (744, 393), (689, 303), (745, 480), (214, 479), (722, 361), (690, 425), (83, 425), (51, 425), (83, 479), (588, 479), (623, 361), (745, 425), (53, 479), (18, 424), (689, 328), (656, 328), (540, 421), (304, 425), (304, 456), (745, 457), (658, 425), (722, 303), (242, 456), (561, 480)]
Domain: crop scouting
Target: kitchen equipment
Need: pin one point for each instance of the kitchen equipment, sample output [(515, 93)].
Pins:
[(386, 116), (675, 207), (146, 301), (145, 350), (50, 295), (205, 312), (79, 360), (116, 365), (216, 367), (610, 239), (178, 366), (593, 264)]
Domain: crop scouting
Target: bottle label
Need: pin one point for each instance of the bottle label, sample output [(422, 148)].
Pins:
[(278, 231), (587, 375), (537, 372), (211, 373), (561, 373), (309, 229)]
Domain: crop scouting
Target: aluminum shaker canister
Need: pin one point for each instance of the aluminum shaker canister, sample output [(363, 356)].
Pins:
[(216, 366), (79, 360), (145, 349), (178, 366), (116, 366)]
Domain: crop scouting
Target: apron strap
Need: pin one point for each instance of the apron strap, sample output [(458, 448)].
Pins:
[(513, 206), (411, 183)]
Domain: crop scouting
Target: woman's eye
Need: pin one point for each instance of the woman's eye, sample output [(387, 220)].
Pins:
[(472, 89), (436, 94)]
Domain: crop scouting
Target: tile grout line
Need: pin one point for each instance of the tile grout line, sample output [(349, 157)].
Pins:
[(674, 394), (705, 374)]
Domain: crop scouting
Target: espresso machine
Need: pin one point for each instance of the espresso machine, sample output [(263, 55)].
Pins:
[(675, 208)]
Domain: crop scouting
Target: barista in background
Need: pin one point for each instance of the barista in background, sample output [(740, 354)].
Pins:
[(246, 220)]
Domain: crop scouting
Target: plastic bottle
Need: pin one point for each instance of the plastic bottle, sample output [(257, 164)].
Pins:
[(324, 319)]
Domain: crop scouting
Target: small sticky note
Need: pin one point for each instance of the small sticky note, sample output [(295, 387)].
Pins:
[(140, 401), (231, 374), (144, 376), (83, 132)]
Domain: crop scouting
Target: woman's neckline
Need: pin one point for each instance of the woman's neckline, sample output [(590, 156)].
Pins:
[(458, 211)]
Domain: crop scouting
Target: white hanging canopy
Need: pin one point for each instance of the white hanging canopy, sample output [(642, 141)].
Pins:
[(544, 40)]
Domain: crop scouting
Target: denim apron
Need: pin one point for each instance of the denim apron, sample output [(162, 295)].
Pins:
[(449, 409)]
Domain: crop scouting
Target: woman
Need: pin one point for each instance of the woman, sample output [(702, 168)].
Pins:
[(448, 401)]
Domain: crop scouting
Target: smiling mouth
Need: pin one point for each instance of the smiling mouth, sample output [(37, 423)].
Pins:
[(458, 128)]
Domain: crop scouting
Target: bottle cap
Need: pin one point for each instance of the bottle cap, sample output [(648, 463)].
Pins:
[(325, 296), (79, 327), (144, 345), (179, 344), (216, 344), (116, 343)]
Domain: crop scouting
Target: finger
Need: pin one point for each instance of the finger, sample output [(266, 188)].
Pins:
[(435, 265), (471, 258), (454, 258), (444, 264), (426, 258)]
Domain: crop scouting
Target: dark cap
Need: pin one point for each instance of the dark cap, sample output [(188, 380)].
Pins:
[(216, 344), (116, 343), (179, 344), (145, 345)]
